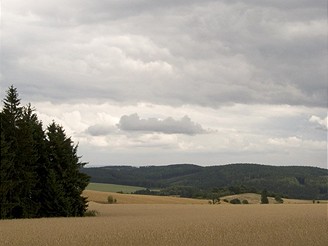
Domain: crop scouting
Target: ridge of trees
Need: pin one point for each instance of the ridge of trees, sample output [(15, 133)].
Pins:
[(195, 181), (40, 170)]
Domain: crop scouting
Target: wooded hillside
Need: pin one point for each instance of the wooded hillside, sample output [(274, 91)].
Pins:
[(196, 181)]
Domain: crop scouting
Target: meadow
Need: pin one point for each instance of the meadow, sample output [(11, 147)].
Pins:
[(113, 187), (174, 221)]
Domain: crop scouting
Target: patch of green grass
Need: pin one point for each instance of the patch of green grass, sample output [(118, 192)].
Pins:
[(113, 188)]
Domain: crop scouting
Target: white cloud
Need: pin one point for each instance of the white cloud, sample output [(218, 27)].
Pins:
[(297, 142), (321, 123)]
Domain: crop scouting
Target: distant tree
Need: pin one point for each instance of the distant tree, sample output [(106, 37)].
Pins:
[(235, 201), (264, 197), (278, 199), (244, 202), (111, 199), (215, 198)]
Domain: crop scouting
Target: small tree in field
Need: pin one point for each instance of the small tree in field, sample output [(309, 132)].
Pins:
[(278, 199), (264, 197), (244, 202), (235, 201), (111, 199)]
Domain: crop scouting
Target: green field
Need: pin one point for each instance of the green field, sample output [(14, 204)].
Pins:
[(113, 188)]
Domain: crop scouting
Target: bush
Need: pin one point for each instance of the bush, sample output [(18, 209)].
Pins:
[(235, 201), (225, 200), (111, 199), (244, 202), (278, 199), (91, 213)]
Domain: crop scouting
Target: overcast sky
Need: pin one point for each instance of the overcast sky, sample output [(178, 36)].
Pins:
[(150, 82)]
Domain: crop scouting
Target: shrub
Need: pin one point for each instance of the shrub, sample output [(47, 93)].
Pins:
[(264, 197), (278, 199), (111, 199), (235, 201), (244, 202), (91, 213), (225, 200)]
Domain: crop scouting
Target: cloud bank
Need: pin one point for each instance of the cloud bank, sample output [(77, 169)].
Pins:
[(168, 126), (208, 53), (253, 72)]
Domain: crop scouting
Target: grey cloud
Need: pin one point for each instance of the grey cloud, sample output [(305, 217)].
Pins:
[(100, 130), (208, 53), (169, 125)]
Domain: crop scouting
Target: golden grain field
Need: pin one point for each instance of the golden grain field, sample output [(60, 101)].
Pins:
[(101, 197), (176, 224)]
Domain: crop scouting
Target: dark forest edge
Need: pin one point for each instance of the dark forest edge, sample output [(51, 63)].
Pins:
[(40, 171), (192, 181)]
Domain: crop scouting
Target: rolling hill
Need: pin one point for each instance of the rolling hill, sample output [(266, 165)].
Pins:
[(189, 180)]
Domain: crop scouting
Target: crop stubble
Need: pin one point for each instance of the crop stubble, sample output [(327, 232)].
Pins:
[(176, 224)]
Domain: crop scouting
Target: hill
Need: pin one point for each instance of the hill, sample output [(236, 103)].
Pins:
[(202, 182)]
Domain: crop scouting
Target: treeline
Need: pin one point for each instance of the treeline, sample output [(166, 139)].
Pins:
[(184, 179), (40, 170), (194, 192)]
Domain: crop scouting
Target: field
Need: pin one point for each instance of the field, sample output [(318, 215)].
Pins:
[(113, 188), (101, 197), (174, 221)]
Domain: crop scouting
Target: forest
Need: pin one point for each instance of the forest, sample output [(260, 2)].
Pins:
[(194, 181)]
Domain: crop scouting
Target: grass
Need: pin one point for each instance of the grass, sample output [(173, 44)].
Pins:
[(113, 188), (176, 224)]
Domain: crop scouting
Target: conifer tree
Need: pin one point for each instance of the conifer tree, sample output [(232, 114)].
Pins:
[(6, 172), (28, 156), (39, 171), (10, 169), (65, 181)]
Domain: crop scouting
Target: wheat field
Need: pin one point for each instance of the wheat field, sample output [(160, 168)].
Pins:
[(186, 223)]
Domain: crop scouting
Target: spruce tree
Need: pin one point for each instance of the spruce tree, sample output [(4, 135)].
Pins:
[(39, 171), (10, 168), (6, 173), (65, 181), (28, 155)]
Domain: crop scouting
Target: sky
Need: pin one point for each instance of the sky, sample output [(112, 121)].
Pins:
[(152, 82)]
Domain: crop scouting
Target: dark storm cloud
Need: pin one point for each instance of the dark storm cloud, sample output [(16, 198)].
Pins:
[(169, 125)]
